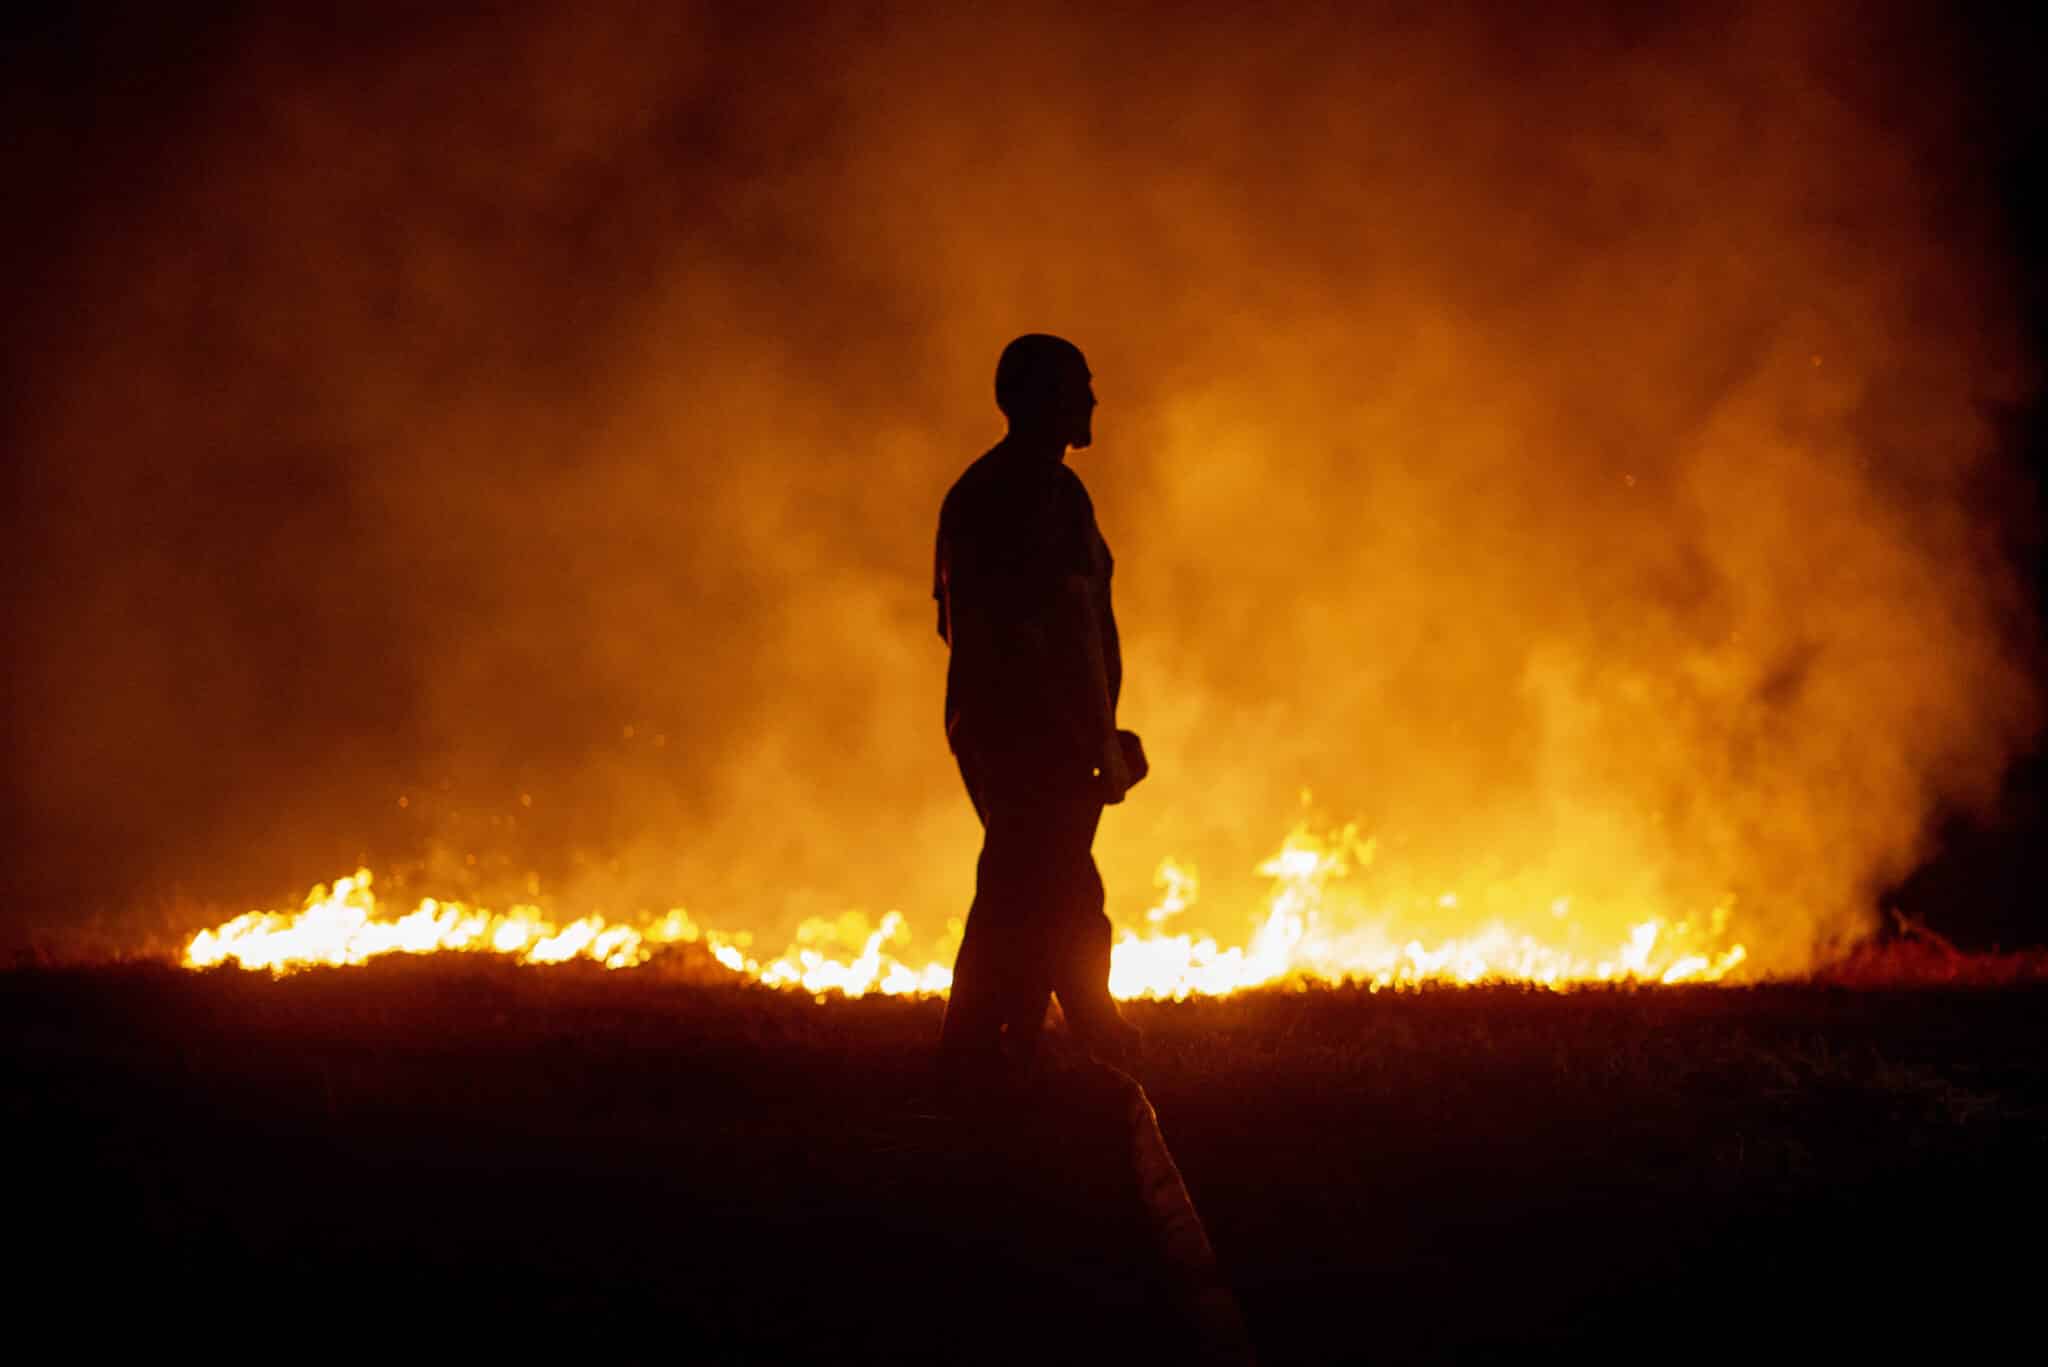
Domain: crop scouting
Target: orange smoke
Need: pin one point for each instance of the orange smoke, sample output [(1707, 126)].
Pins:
[(1558, 442)]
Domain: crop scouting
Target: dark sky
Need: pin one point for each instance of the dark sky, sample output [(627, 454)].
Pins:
[(1589, 452)]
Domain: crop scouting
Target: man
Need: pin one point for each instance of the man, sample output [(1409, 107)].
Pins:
[(1022, 581)]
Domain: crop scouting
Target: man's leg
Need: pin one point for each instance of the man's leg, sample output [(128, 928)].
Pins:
[(1000, 978), (1080, 947)]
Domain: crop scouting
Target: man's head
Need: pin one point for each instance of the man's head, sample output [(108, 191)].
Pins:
[(1042, 386)]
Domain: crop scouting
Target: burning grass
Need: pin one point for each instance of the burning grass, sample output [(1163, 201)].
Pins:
[(721, 1171), (1316, 925)]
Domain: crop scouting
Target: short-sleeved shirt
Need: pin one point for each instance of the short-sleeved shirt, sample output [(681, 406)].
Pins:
[(1013, 532)]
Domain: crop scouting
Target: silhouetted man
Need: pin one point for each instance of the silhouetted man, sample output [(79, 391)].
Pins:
[(1022, 580)]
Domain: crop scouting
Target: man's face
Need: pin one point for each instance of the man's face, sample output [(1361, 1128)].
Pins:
[(1077, 409)]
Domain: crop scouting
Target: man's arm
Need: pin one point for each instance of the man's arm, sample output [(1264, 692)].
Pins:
[(1064, 637), (1099, 712)]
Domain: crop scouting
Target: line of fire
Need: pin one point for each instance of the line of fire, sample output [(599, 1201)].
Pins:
[(1309, 931)]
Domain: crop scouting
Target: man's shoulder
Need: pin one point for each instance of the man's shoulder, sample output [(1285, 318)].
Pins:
[(995, 489), (972, 483)]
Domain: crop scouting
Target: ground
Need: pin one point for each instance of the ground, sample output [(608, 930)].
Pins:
[(636, 1165)]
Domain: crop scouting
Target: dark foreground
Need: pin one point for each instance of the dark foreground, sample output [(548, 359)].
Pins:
[(422, 1156)]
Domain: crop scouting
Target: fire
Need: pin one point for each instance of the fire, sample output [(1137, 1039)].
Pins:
[(1306, 932), (340, 926), (1302, 936)]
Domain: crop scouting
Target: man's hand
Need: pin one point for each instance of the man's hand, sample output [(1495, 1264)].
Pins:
[(1134, 756), (1121, 766)]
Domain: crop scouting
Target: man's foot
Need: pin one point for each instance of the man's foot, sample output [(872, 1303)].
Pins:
[(1121, 1045)]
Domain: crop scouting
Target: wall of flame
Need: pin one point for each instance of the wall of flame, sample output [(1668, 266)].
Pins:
[(1565, 444)]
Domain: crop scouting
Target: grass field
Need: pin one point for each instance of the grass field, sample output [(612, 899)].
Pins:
[(480, 1157)]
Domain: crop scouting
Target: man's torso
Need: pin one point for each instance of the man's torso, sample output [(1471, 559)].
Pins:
[(1012, 534)]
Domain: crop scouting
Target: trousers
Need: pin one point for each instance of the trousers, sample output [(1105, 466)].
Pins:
[(1036, 929)]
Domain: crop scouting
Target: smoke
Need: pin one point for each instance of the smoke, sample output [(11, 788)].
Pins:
[(1560, 445)]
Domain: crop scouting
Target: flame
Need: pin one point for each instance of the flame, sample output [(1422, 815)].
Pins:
[(1301, 938), (1305, 933)]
